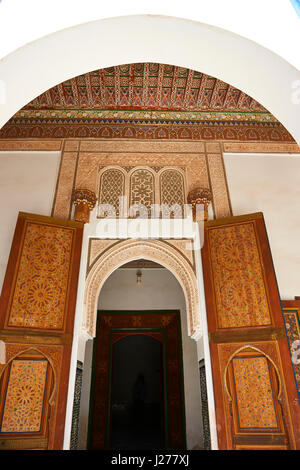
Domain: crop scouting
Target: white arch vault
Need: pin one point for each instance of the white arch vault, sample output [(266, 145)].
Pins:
[(42, 64), (153, 250)]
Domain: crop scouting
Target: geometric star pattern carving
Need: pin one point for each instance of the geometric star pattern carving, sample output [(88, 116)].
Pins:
[(24, 398), (42, 279), (145, 101)]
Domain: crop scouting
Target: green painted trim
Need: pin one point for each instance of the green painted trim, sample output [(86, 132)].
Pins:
[(160, 116), (92, 391), (164, 111), (137, 329), (167, 434), (182, 380), (138, 311), (142, 111), (107, 434)]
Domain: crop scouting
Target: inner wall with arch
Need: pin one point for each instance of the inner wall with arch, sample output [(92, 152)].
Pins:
[(159, 290), (197, 130), (231, 52)]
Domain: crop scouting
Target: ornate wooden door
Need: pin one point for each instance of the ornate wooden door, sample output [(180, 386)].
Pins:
[(37, 309), (254, 387), (291, 313), (167, 326)]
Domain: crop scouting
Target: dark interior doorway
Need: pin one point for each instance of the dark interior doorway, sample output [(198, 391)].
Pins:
[(162, 330), (137, 393)]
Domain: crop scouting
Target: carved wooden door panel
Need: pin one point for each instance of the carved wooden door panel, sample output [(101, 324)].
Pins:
[(254, 387), (166, 324), (291, 313), (37, 309)]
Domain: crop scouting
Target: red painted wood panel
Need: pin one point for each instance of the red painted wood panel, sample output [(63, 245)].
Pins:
[(246, 328), (37, 309)]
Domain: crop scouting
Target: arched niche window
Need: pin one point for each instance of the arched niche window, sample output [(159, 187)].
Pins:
[(172, 194), (112, 187), (142, 190)]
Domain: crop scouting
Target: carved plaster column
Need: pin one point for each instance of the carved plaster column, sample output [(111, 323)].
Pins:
[(217, 179), (200, 197), (84, 201)]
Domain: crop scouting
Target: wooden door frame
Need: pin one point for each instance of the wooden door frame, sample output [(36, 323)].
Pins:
[(292, 307), (228, 340), (168, 439)]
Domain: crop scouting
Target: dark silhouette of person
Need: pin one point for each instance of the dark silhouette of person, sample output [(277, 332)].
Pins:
[(139, 395)]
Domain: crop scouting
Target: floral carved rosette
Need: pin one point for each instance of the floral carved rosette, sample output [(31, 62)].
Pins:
[(202, 197), (254, 394), (84, 201), (240, 291), (24, 398), (39, 299)]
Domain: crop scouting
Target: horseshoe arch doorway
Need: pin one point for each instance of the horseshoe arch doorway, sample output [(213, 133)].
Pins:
[(133, 339)]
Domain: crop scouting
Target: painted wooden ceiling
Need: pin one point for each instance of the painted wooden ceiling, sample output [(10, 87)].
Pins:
[(145, 101), (146, 86)]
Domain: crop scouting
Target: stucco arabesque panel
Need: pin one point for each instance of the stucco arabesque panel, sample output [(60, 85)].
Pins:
[(184, 246), (89, 163), (196, 159)]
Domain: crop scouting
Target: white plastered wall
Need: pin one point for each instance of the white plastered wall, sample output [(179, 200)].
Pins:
[(27, 184), (227, 15), (271, 184)]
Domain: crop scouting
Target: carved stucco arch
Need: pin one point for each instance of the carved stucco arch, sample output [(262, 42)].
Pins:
[(153, 250)]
